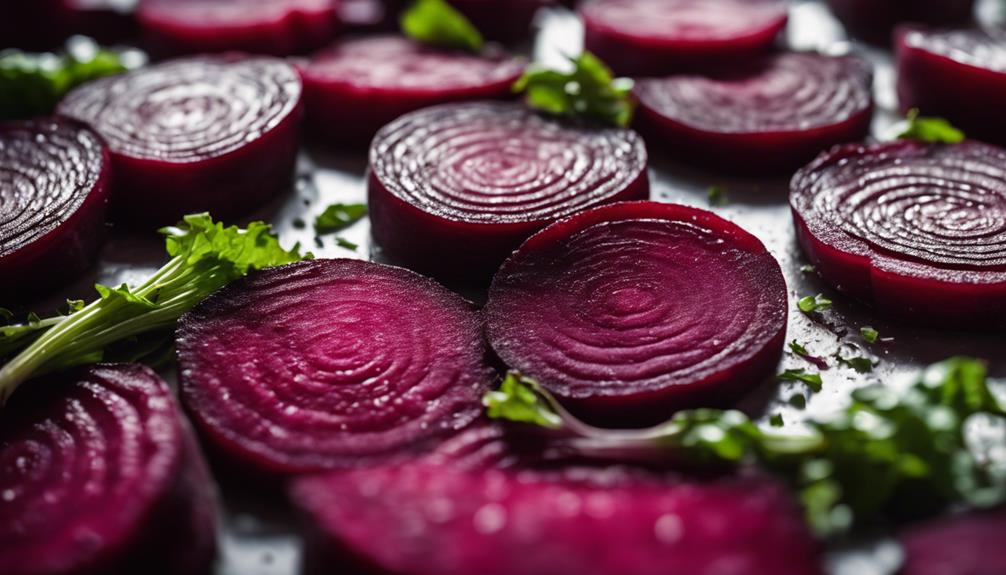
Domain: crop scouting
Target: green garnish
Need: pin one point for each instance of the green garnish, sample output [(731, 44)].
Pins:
[(776, 420), (933, 130), (717, 196), (436, 23), (798, 349), (808, 269), (813, 380), (814, 303), (869, 334), (344, 243), (859, 364), (338, 216), (521, 399)]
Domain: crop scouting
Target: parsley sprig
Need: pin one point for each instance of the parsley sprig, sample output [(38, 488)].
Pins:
[(436, 23), (932, 130)]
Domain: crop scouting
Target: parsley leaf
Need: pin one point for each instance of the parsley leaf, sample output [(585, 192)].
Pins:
[(813, 380), (436, 23), (339, 216), (869, 334), (518, 399), (859, 364), (346, 244), (814, 303), (717, 196), (933, 130)]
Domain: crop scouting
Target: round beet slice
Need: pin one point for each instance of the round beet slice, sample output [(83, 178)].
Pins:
[(506, 21), (99, 473), (357, 86), (773, 116), (215, 133), (918, 230), (659, 37), (629, 311), (454, 189), (873, 20), (54, 179), (330, 364), (422, 519), (968, 544), (956, 74)]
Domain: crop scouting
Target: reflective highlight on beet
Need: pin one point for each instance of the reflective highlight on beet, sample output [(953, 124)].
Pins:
[(968, 544), (873, 20)]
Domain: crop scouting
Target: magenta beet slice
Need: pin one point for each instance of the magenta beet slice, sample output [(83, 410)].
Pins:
[(629, 311), (659, 37), (454, 189), (429, 520), (215, 133), (54, 180), (918, 230), (873, 20), (357, 86), (968, 544), (772, 116), (330, 364), (99, 473)]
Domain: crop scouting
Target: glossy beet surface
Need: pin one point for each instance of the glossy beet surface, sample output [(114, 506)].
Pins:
[(918, 230), (630, 311), (454, 189), (659, 37), (213, 133), (331, 364), (772, 116), (99, 473), (54, 182), (969, 544), (873, 20)]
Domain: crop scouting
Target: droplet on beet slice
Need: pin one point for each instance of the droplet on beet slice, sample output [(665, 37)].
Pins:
[(873, 20), (329, 364), (968, 544), (454, 189), (772, 116), (54, 184), (423, 519), (918, 230), (659, 37), (99, 473), (214, 133), (630, 311)]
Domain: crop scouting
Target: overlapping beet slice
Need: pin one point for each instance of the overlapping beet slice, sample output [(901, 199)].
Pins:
[(874, 20), (212, 133), (330, 364), (54, 180), (772, 116), (454, 189), (918, 230), (100, 474), (629, 311), (659, 37), (968, 544)]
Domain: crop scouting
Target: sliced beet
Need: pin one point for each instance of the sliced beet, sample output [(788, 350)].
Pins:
[(659, 37), (107, 21), (629, 311), (99, 473), (918, 230), (969, 544), (54, 180), (357, 86), (214, 133), (505, 21), (772, 116), (454, 189), (330, 364), (873, 20), (429, 520)]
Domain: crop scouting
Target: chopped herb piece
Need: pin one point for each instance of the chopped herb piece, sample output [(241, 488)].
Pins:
[(589, 90), (860, 364), (869, 334), (808, 269), (518, 400), (299, 223), (813, 380), (816, 303), (933, 130), (798, 349), (776, 420), (344, 243), (717, 196), (339, 216), (798, 400), (436, 23)]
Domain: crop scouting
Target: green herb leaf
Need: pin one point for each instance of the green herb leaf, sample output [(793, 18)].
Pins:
[(869, 334), (717, 196), (816, 303), (776, 420), (436, 23), (346, 244), (933, 130), (339, 216), (860, 364), (813, 380), (518, 399), (798, 349)]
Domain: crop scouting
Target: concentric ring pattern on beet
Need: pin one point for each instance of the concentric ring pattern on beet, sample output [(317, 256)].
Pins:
[(331, 364), (211, 133), (918, 230), (454, 189), (99, 473), (630, 311)]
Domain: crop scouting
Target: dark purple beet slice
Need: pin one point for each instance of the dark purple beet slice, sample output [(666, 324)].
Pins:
[(53, 192), (357, 86), (214, 133), (430, 520), (659, 37), (454, 189), (99, 473), (918, 230), (107, 21), (330, 364), (970, 544), (873, 20), (772, 116), (956, 74), (629, 311), (505, 21)]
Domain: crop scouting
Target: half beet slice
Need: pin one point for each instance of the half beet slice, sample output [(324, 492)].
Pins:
[(968, 544), (918, 230), (874, 20), (629, 311), (772, 116), (99, 473), (454, 189), (54, 179), (659, 37), (214, 133), (330, 364)]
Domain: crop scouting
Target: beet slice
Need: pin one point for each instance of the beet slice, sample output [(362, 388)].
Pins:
[(454, 189), (969, 544), (506, 21), (330, 364), (956, 74), (873, 20), (918, 230), (658, 37), (53, 192), (773, 116), (629, 311), (99, 473), (107, 21), (357, 86), (215, 133)]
